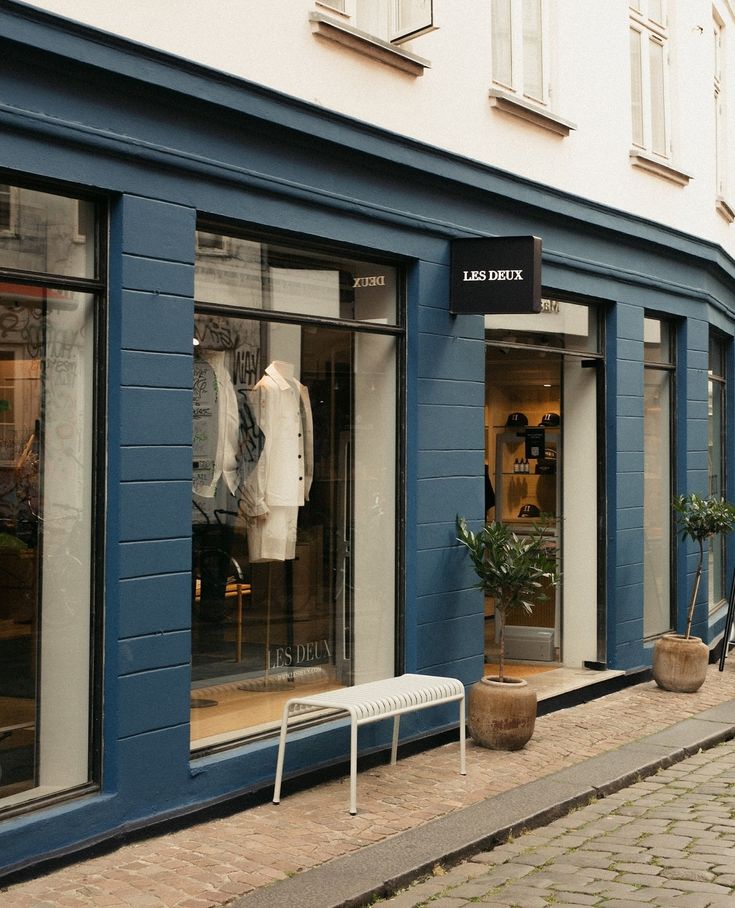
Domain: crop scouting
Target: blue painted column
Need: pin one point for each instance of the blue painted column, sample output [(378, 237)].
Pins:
[(692, 435), (447, 615), (625, 407), (149, 601)]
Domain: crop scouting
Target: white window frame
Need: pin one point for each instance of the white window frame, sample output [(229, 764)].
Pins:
[(517, 84), (650, 32), (393, 34)]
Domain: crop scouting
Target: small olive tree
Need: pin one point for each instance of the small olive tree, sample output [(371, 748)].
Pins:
[(512, 569), (700, 519)]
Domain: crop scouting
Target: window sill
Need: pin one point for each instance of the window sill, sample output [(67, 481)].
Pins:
[(658, 167), (511, 104), (725, 209), (333, 30)]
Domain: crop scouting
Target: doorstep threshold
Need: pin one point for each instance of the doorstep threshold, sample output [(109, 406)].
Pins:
[(560, 681)]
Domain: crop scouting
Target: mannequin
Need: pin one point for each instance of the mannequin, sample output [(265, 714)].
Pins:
[(280, 482), (216, 425)]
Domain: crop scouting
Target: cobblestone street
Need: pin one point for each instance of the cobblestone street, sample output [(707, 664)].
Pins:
[(666, 841)]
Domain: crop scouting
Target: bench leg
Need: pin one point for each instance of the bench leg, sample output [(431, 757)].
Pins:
[(394, 748), (462, 765), (353, 766), (281, 755)]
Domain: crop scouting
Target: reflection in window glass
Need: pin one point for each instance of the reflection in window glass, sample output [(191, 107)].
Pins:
[(293, 490), (716, 463), (46, 412), (40, 233), (568, 326), (248, 274), (658, 397)]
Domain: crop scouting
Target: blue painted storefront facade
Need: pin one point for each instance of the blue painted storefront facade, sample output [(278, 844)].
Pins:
[(163, 142)]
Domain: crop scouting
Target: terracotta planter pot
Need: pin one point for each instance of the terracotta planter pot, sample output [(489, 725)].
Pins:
[(502, 716), (679, 664)]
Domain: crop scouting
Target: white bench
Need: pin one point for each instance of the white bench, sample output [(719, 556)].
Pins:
[(371, 702)]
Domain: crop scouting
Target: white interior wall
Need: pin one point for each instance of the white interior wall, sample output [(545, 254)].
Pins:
[(374, 545), (579, 510)]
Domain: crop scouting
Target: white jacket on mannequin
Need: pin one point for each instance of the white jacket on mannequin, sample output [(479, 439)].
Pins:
[(282, 478)]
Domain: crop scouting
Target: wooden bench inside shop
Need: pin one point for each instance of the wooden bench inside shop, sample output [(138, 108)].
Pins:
[(371, 702)]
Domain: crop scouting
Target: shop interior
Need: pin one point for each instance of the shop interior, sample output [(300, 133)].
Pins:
[(523, 448)]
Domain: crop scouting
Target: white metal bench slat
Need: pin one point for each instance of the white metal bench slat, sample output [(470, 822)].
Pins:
[(371, 702)]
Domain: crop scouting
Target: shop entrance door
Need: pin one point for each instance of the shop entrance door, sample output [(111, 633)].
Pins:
[(542, 471)]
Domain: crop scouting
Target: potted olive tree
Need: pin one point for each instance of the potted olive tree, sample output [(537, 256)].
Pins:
[(680, 660), (515, 571)]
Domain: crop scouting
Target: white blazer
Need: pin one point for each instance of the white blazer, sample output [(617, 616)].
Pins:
[(284, 472)]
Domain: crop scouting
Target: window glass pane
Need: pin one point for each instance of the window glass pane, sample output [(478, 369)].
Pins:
[(658, 101), (657, 485), (252, 275), (40, 232), (657, 343), (412, 16), (502, 42), (567, 326), (717, 357), (293, 506), (376, 17), (533, 68), (8, 208), (636, 87), (716, 442), (46, 432)]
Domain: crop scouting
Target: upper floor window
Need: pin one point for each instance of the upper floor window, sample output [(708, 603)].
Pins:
[(718, 35), (720, 116), (519, 48), (376, 28), (391, 20), (649, 76)]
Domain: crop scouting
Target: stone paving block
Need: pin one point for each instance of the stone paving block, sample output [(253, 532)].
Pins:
[(621, 903), (574, 898)]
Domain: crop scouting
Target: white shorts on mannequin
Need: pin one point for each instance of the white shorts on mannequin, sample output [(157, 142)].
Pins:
[(273, 536)]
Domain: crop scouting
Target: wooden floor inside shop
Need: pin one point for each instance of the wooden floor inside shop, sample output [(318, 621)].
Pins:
[(222, 709)]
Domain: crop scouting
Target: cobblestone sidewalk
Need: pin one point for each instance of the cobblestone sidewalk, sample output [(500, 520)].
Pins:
[(668, 841), (212, 863)]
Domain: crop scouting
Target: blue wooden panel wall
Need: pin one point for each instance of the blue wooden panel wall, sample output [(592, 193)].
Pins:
[(155, 244)]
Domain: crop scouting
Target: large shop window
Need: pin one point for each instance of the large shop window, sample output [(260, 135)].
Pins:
[(294, 479), (716, 462), (47, 407), (657, 478)]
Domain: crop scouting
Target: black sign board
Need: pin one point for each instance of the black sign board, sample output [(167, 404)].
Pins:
[(535, 443), (494, 275)]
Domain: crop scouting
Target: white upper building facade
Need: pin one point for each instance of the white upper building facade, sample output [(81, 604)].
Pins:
[(625, 102)]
